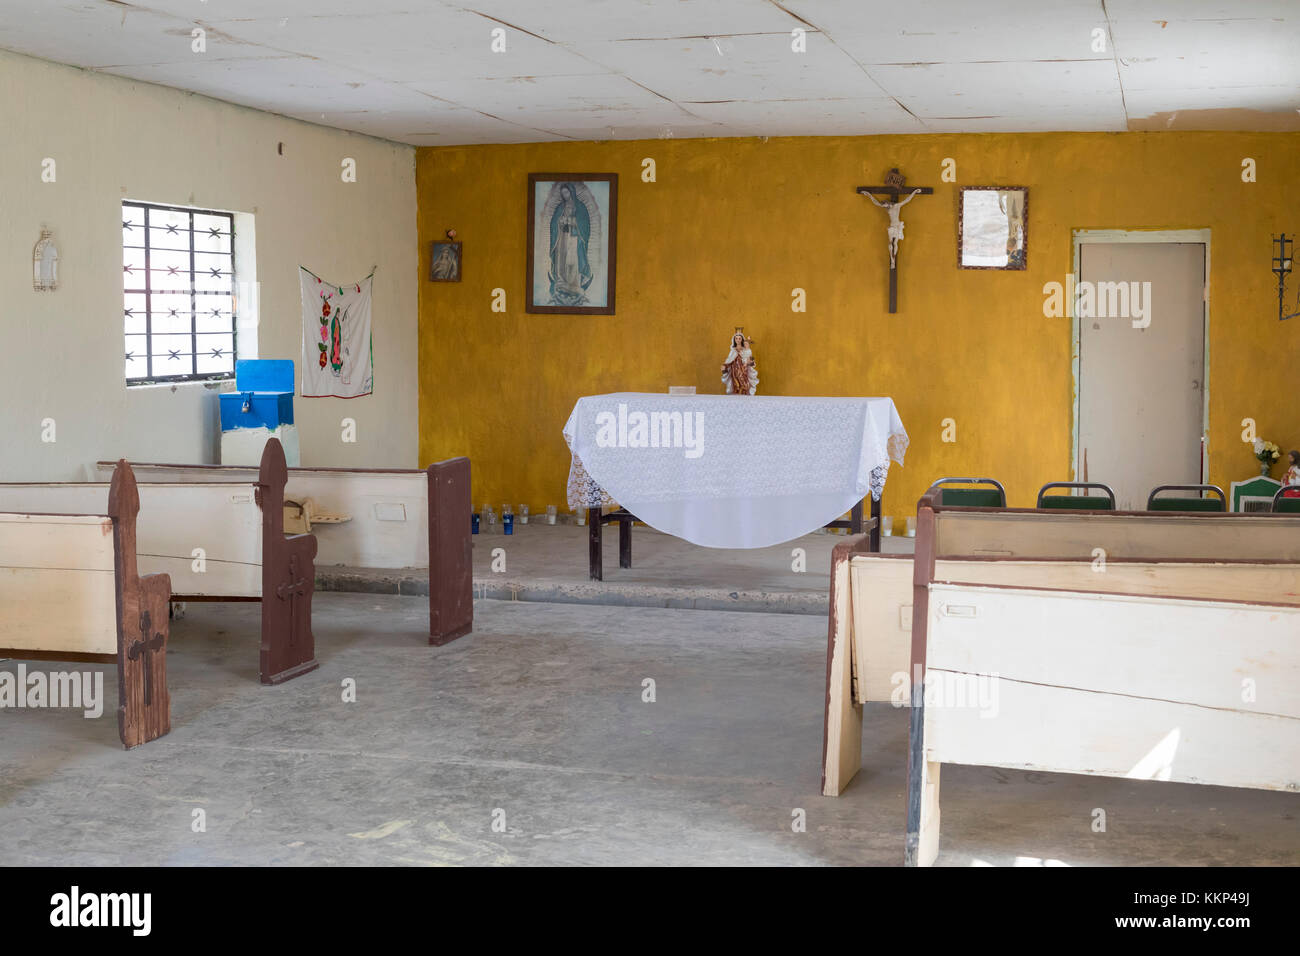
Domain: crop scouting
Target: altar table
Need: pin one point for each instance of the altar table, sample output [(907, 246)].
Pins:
[(731, 471)]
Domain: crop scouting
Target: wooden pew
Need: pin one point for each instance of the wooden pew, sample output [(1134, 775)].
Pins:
[(244, 556), (70, 591), (873, 596), (399, 518)]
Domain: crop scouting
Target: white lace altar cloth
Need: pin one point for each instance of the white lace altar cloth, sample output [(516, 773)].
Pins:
[(731, 471)]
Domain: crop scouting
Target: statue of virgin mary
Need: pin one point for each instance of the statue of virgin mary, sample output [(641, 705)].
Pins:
[(739, 373)]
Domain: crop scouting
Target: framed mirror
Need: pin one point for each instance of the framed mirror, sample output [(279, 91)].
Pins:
[(992, 227)]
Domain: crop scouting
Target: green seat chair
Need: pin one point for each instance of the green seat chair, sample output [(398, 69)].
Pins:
[(992, 495), (1083, 502), (1283, 505), (1216, 505)]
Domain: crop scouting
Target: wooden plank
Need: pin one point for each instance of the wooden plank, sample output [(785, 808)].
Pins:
[(1264, 582), (842, 727), (57, 541), (1186, 651), (222, 519), (451, 551), (388, 508), (1066, 730), (881, 588), (920, 835), (65, 601), (1142, 535), (68, 611)]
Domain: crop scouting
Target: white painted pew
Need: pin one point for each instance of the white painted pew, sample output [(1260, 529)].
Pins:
[(388, 510), (870, 639), (70, 591), (1074, 681), (219, 541), (395, 515)]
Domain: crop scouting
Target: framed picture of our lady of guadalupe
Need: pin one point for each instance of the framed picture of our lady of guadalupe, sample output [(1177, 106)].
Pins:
[(572, 242)]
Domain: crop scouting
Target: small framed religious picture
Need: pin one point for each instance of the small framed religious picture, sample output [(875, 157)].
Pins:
[(445, 261), (572, 243), (992, 227)]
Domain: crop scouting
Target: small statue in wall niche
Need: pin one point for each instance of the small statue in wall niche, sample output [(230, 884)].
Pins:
[(739, 373)]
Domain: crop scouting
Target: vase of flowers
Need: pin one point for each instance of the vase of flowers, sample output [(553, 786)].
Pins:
[(1267, 453)]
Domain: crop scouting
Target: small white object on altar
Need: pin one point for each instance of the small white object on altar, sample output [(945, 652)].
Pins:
[(725, 471)]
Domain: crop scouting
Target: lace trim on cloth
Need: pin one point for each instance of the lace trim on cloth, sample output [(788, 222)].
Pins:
[(897, 446), (583, 492)]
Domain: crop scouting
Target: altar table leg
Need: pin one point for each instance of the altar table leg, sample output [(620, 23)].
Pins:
[(625, 544), (875, 530), (855, 519), (594, 553)]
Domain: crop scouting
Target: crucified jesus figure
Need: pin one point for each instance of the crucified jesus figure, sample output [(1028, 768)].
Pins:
[(895, 223)]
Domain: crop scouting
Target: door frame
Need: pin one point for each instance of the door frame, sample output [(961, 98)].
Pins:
[(1089, 236)]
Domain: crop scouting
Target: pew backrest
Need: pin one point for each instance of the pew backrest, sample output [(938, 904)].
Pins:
[(388, 509), (1029, 533), (207, 537)]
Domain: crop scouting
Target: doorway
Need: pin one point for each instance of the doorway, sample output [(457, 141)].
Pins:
[(1140, 357)]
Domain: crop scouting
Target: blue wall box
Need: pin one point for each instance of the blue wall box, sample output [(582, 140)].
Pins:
[(263, 395)]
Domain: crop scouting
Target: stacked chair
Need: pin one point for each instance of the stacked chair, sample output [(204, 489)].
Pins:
[(991, 494), (1287, 505), (1156, 503), (1073, 502)]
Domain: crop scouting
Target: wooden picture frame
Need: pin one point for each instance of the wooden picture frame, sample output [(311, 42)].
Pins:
[(993, 227), (445, 261), (575, 276)]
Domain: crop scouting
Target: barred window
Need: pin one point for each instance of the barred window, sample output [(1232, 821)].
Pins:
[(178, 285)]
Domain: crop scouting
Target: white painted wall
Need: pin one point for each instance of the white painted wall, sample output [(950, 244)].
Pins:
[(114, 139)]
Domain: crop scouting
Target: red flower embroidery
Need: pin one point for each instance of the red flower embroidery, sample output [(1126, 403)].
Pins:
[(323, 359), (326, 309)]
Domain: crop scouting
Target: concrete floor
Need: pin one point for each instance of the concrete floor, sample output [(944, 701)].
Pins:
[(549, 563), (539, 714)]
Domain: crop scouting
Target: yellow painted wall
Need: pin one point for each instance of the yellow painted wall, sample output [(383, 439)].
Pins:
[(731, 226)]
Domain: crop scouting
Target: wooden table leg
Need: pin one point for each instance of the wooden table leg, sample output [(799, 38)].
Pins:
[(594, 553), (855, 519), (875, 530), (625, 544)]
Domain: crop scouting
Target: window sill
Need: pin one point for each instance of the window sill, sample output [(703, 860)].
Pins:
[(223, 384)]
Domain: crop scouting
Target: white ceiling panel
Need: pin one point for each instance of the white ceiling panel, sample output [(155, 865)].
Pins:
[(958, 31), (412, 47), (847, 117), (102, 35), (1209, 54), (953, 90), (581, 21), (424, 71), (521, 94), (749, 67)]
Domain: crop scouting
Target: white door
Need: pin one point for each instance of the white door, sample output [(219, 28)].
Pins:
[(1141, 389)]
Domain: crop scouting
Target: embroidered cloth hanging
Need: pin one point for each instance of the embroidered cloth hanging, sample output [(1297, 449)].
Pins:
[(337, 354)]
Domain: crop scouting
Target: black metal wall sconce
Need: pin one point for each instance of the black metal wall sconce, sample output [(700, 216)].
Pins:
[(1282, 246)]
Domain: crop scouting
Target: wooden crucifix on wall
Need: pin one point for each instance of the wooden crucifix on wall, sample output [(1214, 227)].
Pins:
[(894, 189)]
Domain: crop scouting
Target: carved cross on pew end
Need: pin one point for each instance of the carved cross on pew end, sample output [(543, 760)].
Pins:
[(291, 591), (895, 189), (144, 649)]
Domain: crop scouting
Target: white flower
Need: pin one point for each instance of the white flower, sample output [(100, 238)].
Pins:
[(1259, 445)]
